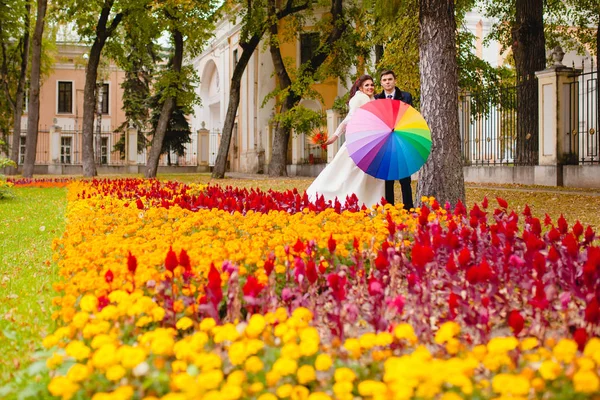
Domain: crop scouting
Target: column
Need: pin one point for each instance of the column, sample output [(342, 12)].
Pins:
[(203, 148), (333, 120), (55, 167), (131, 141), (554, 91)]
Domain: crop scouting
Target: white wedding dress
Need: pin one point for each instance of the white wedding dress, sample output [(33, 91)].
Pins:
[(341, 178)]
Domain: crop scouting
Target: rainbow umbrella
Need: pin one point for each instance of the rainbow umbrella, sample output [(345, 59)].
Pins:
[(388, 139)]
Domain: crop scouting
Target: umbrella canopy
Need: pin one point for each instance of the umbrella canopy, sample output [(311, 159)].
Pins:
[(388, 139)]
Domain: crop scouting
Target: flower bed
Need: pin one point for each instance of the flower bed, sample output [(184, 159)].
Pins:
[(187, 291)]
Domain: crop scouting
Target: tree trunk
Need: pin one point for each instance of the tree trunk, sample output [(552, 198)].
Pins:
[(33, 112), (530, 56), (378, 53), (167, 110), (89, 92), (277, 166), (20, 94), (442, 175), (234, 102)]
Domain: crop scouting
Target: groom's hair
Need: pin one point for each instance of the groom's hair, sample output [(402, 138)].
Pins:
[(387, 72)]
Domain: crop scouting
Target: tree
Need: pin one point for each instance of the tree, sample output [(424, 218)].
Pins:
[(442, 175), (291, 92), (33, 115), (21, 55), (254, 26), (190, 22)]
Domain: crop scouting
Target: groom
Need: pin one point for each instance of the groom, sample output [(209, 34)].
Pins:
[(390, 91)]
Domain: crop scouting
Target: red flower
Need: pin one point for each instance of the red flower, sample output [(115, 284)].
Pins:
[(502, 203), (460, 209), (311, 272), (375, 287), (139, 204), (102, 302), (553, 254), (171, 260), (580, 337), (527, 211), (539, 300), (451, 265), (484, 203), (131, 263), (322, 267), (464, 257), (571, 244), (592, 312), (589, 234), (184, 260), (421, 255), (213, 289), (423, 218), (381, 262), (331, 243), (578, 229), (252, 288), (391, 225), (553, 235), (563, 227), (337, 285), (453, 302), (516, 322), (109, 276), (355, 244), (299, 246), (547, 220), (269, 265)]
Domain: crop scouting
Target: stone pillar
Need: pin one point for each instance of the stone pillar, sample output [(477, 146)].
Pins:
[(333, 120), (131, 149), (55, 166), (554, 86), (203, 149)]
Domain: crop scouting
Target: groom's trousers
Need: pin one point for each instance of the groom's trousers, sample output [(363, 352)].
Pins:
[(407, 198)]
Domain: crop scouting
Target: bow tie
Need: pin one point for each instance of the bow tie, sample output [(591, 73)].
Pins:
[(389, 96)]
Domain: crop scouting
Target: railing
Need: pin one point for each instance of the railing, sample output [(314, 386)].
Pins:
[(488, 126), (582, 145)]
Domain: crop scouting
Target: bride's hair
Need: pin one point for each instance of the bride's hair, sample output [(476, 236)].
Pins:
[(358, 83)]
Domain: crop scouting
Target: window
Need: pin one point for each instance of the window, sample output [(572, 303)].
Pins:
[(309, 43), (105, 98), (65, 97), (66, 149), (235, 57), (22, 150), (104, 150)]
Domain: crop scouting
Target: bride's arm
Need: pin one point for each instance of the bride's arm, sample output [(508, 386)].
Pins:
[(353, 105)]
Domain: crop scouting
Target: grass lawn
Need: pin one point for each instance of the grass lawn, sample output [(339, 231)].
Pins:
[(28, 224), (35, 216)]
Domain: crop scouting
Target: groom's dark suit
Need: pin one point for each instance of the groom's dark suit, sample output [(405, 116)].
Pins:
[(405, 182)]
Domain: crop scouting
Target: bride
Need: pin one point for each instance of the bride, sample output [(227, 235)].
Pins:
[(341, 178)]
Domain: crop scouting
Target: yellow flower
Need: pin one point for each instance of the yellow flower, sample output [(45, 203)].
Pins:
[(344, 375), (306, 374), (78, 372), (450, 396), (405, 331), (319, 396), (49, 341), (131, 356), (115, 372), (586, 381), (184, 323), (447, 331), (158, 314), (284, 391), (54, 361), (299, 393), (207, 324), (511, 384), (253, 364), (236, 378), (352, 345), (367, 340), (592, 349), (230, 392), (550, 370), (372, 388), (453, 346), (61, 386), (89, 303), (267, 396), (105, 356), (256, 387), (237, 353), (78, 350), (565, 350), (529, 343), (255, 326), (323, 362), (285, 366), (384, 339)]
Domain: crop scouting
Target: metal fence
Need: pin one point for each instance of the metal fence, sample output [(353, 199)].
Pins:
[(112, 149), (581, 130), (488, 126)]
